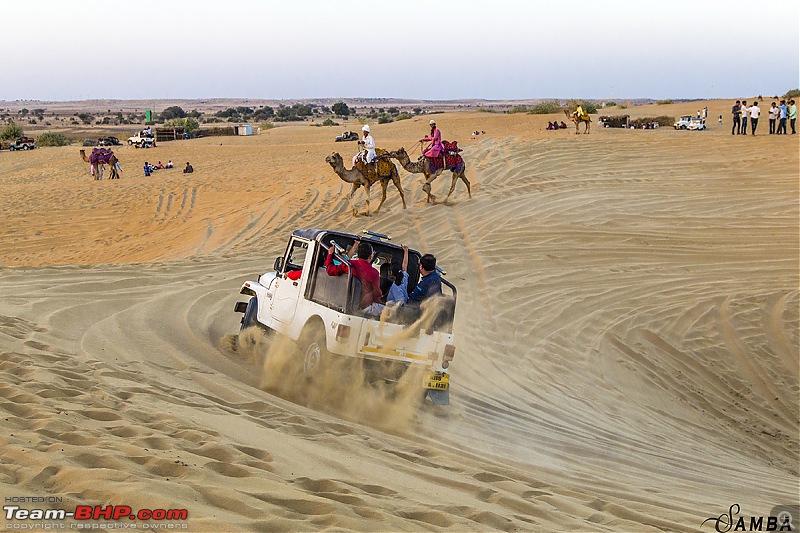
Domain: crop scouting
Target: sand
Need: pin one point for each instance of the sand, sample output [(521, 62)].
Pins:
[(627, 333)]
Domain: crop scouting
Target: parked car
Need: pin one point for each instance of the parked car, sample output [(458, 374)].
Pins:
[(23, 143), (320, 313), (697, 124), (108, 141), (683, 122), (347, 136)]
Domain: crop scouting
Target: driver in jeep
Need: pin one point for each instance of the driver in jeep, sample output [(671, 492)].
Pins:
[(370, 301)]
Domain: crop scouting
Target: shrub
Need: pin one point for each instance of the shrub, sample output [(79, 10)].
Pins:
[(546, 108), (341, 109), (402, 116), (611, 104), (794, 93), (329, 122), (267, 126), (172, 112), (623, 106), (52, 139), (518, 109), (384, 119), (11, 131), (662, 102)]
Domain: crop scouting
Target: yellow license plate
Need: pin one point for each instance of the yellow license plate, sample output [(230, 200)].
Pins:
[(436, 381)]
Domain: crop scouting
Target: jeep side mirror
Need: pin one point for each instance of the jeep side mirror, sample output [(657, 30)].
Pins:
[(278, 264)]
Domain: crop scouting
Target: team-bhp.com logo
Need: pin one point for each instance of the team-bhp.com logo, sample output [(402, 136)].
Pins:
[(97, 512), (781, 518)]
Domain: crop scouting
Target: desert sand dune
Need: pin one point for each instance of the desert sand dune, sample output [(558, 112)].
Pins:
[(627, 332)]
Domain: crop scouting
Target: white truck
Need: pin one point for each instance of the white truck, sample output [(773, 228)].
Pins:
[(321, 313)]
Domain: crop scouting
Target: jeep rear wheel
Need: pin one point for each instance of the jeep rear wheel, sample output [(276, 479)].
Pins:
[(315, 352)]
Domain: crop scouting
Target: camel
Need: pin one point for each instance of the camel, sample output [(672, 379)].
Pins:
[(98, 164), (422, 166), (586, 119), (357, 179)]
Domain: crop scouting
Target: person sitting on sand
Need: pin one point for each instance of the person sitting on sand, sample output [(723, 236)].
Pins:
[(550, 126), (188, 169), (563, 126), (159, 165), (169, 164)]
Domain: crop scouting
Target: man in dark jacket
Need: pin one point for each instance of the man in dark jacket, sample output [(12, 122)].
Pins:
[(431, 282)]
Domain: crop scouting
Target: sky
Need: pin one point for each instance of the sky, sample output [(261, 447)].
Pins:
[(492, 49)]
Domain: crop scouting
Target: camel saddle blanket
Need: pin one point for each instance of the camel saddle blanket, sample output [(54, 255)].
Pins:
[(386, 168), (449, 160), (100, 156), (451, 146)]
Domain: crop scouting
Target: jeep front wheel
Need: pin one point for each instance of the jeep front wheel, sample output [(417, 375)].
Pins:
[(250, 315)]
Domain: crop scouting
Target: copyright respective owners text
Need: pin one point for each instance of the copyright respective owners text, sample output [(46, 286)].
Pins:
[(49, 513)]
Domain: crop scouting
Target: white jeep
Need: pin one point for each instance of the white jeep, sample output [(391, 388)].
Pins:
[(139, 139), (321, 313)]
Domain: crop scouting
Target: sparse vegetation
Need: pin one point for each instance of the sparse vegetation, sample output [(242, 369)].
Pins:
[(341, 109), (403, 116), (794, 93), (52, 139), (663, 102), (329, 122), (517, 109), (611, 104), (546, 108), (11, 131), (172, 112)]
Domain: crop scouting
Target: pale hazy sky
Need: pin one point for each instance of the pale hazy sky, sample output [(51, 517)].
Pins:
[(495, 49)]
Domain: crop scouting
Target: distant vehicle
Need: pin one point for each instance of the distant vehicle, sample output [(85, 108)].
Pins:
[(697, 124), (347, 136), (683, 122), (109, 141), (23, 143), (139, 139)]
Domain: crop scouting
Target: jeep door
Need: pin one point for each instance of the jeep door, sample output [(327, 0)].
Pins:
[(288, 291)]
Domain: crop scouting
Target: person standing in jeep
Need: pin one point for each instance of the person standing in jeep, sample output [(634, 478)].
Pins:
[(370, 301)]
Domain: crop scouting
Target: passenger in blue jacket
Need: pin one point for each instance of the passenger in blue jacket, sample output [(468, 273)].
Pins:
[(431, 282)]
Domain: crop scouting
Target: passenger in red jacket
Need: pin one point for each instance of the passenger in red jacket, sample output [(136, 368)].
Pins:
[(370, 301)]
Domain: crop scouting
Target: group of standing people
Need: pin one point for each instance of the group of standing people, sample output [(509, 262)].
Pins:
[(778, 114)]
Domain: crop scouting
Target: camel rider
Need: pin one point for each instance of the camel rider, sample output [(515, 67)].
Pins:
[(579, 113), (435, 138), (368, 153)]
